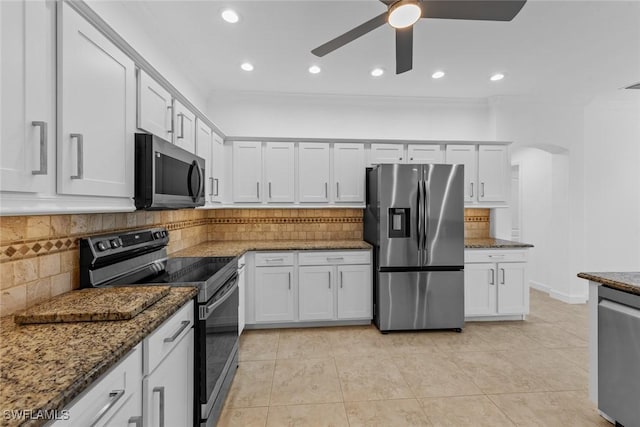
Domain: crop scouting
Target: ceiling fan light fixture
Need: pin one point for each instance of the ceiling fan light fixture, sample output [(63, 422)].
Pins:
[(404, 13)]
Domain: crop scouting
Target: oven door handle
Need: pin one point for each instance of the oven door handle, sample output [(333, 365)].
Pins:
[(212, 307)]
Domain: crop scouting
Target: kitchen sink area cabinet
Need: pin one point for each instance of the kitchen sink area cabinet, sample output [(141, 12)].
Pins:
[(279, 172), (96, 111), (314, 172), (316, 292), (28, 92), (155, 107), (496, 285), (274, 294), (348, 173)]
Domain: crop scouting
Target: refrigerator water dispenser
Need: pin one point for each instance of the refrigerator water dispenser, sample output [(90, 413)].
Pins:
[(399, 222)]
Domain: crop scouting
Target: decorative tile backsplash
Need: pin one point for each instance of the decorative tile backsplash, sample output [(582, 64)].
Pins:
[(39, 254)]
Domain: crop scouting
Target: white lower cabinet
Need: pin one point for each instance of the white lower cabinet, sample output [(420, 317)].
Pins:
[(274, 294), (242, 286), (292, 287), (494, 290)]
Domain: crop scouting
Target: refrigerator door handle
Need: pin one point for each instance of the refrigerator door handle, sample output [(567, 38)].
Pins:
[(425, 215), (419, 217)]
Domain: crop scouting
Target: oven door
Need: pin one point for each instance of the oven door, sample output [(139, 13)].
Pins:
[(218, 338)]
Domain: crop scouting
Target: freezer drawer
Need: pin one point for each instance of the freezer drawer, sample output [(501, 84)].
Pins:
[(419, 300), (618, 356)]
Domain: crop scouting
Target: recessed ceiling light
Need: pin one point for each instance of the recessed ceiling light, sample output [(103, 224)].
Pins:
[(496, 77), (404, 13), (437, 75), (314, 69), (230, 16), (247, 66), (377, 72)]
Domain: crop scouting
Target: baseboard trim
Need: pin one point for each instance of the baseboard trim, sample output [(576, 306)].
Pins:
[(561, 296), (308, 324)]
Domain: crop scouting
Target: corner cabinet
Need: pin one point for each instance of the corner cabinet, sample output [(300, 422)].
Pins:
[(27, 105), (96, 111), (496, 284)]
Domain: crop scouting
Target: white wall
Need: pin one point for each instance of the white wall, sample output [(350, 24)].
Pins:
[(115, 14), (329, 116)]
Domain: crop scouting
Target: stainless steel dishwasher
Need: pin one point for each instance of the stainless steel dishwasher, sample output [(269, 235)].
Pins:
[(619, 356)]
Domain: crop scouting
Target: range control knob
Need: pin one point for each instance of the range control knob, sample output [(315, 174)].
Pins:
[(115, 243), (103, 245), (157, 234)]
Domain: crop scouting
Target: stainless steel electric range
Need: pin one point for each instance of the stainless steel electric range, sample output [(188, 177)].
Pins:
[(140, 257)]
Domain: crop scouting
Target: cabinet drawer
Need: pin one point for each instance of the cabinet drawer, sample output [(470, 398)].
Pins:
[(161, 341), (334, 257), (265, 259), (502, 255), (98, 404)]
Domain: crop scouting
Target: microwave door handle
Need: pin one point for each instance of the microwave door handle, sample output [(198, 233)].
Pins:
[(193, 194), (201, 180)]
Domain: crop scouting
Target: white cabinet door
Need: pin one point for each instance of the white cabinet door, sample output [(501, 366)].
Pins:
[(386, 153), (313, 172), (27, 104), (480, 282), (465, 155), (425, 153), (204, 147), (494, 173), (154, 107), (354, 292), (348, 172), (512, 288), (97, 113), (218, 167), (168, 390), (185, 127), (130, 413), (315, 292), (279, 171), (242, 289), (247, 171), (274, 289)]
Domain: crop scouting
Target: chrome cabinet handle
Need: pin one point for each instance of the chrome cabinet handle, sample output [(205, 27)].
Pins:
[(411, 158), (135, 420), (258, 190), (341, 280), (170, 107), (326, 190), (80, 159), (114, 396), (43, 148), (212, 181), (482, 189), (502, 282), (269, 190), (289, 275), (492, 280), (329, 273), (217, 184), (173, 337), (160, 391), (400, 158), (181, 136), (335, 258), (337, 190), (471, 189), (274, 259)]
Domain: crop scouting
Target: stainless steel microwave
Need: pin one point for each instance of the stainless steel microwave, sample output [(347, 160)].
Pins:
[(166, 176)]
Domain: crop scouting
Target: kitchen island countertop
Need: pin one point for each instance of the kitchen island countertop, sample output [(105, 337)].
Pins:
[(43, 367), (623, 281)]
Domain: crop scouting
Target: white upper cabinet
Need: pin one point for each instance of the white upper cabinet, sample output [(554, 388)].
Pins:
[(425, 153), (247, 171), (27, 85), (314, 172), (465, 155), (494, 173), (218, 168), (185, 127), (386, 153), (96, 115), (348, 172), (204, 148), (279, 173), (154, 107)]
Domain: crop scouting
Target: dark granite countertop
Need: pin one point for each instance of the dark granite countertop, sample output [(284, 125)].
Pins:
[(43, 367), (491, 243), (623, 281), (239, 247)]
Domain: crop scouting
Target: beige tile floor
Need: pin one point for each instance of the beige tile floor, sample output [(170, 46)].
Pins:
[(531, 373)]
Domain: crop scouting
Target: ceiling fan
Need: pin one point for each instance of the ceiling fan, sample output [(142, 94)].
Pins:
[(402, 14)]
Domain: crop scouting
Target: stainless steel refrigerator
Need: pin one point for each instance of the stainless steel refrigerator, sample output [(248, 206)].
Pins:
[(415, 221)]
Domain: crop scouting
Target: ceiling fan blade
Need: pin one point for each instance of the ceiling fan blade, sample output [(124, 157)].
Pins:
[(351, 35), (388, 2), (404, 49), (482, 10)]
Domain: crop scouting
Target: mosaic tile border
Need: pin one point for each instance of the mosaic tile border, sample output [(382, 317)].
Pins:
[(476, 219), (37, 247), (285, 220)]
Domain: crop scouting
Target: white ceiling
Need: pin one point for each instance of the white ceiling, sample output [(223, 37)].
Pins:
[(551, 47)]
